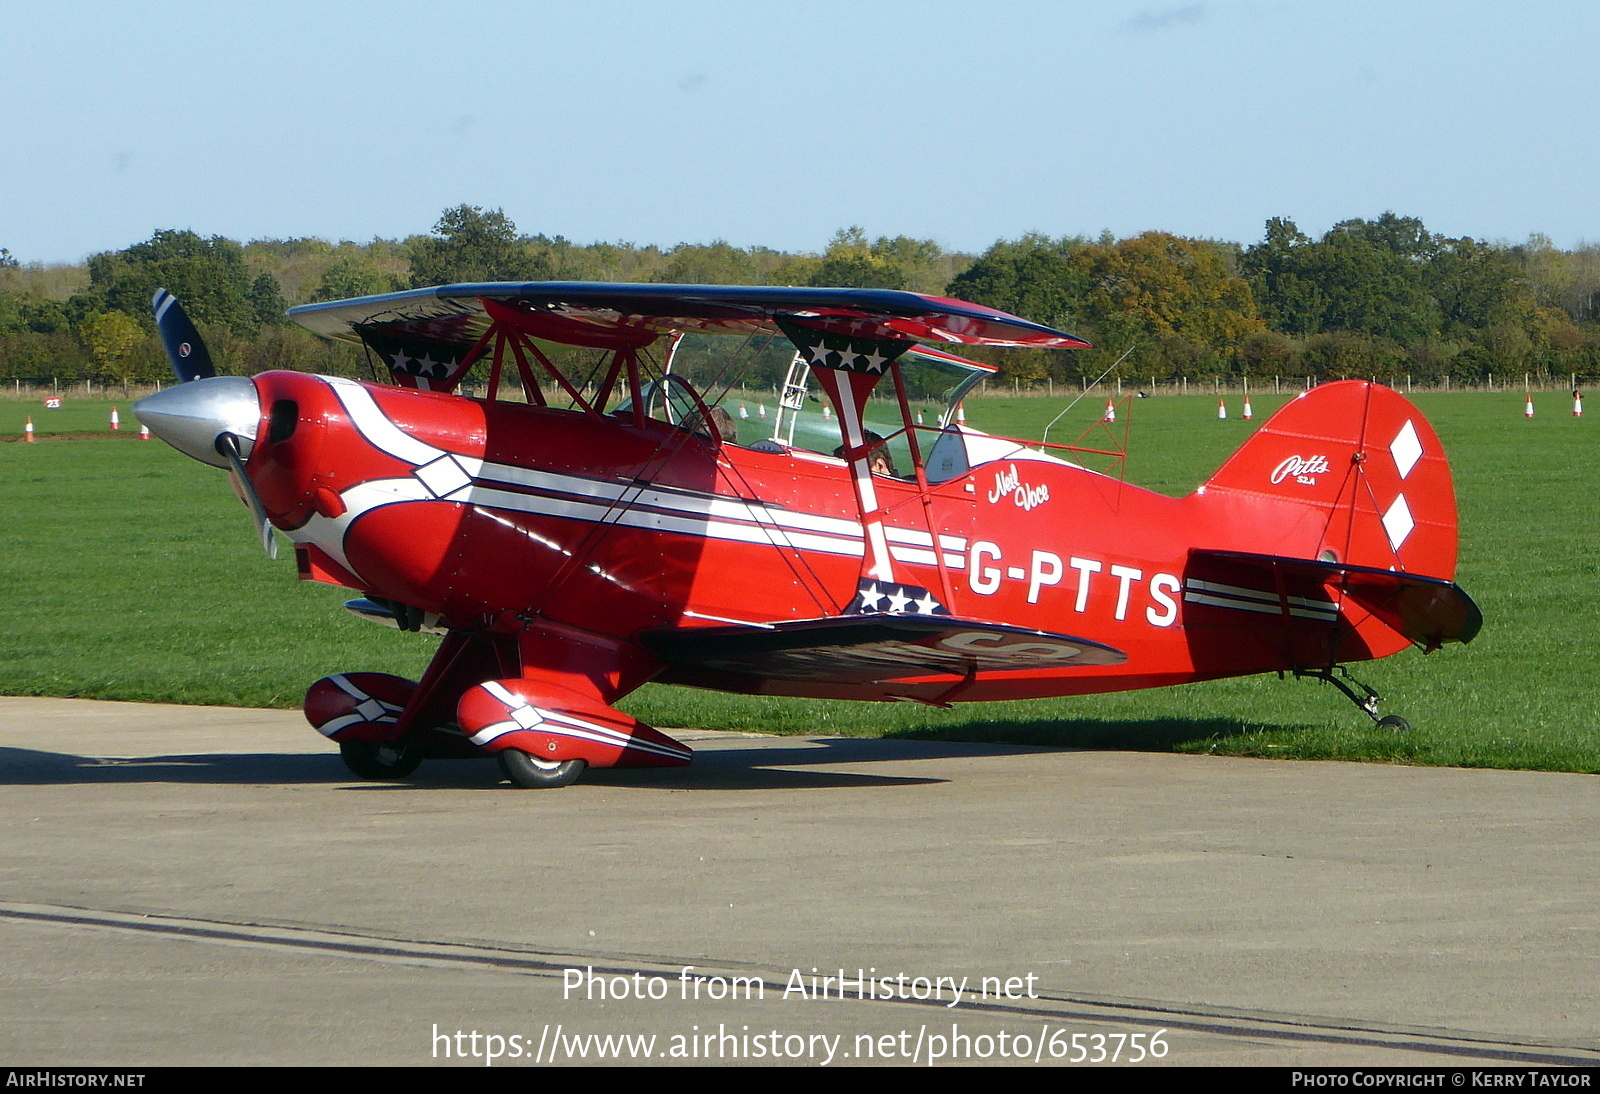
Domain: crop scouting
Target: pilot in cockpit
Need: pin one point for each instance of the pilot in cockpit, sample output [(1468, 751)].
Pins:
[(879, 459), (721, 427)]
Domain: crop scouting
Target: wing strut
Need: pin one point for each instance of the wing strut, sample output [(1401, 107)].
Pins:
[(848, 366), (946, 586)]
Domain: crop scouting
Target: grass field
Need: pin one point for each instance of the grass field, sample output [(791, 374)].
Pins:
[(129, 572), (75, 415)]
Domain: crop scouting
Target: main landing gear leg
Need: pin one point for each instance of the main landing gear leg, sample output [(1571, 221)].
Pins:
[(1367, 699)]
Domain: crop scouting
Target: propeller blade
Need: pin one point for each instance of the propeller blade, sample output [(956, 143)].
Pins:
[(228, 445), (188, 354)]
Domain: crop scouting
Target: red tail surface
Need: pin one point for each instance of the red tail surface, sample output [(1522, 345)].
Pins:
[(1342, 506), (1361, 476)]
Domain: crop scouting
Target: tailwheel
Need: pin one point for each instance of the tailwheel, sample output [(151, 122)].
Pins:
[(1366, 698), (381, 762), (533, 774)]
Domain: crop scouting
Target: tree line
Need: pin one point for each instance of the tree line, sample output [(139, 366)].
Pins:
[(1382, 297)]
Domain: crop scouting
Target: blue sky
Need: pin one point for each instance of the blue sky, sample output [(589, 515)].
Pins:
[(778, 123)]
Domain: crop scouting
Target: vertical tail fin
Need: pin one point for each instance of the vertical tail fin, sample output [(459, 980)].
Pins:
[(1339, 517), (1348, 473)]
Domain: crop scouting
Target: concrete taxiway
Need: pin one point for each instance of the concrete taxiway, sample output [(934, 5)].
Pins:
[(194, 885)]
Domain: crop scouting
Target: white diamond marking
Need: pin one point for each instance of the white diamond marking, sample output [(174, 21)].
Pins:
[(370, 709), (1406, 449), (444, 476), (1397, 522), (526, 717)]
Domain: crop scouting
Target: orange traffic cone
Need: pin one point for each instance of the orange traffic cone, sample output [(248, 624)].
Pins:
[(1528, 412), (1222, 410), (1577, 404), (1248, 414), (762, 410), (116, 422), (961, 414), (826, 412), (1111, 412), (144, 432), (743, 413), (27, 431)]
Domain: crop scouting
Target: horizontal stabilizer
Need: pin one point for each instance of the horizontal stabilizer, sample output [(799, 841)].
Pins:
[(875, 648), (1348, 470), (1426, 610)]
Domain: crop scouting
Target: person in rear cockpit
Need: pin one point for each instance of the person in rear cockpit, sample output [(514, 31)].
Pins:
[(721, 425), (879, 461)]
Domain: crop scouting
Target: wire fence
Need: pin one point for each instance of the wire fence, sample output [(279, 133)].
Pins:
[(1275, 385), (28, 390)]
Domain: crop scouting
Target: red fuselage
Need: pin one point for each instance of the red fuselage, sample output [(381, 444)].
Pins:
[(503, 516)]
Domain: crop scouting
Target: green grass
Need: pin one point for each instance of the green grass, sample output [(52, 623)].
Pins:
[(129, 572), (77, 414)]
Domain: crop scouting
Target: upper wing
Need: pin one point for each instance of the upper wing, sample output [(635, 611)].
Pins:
[(456, 314), (929, 353), (429, 332)]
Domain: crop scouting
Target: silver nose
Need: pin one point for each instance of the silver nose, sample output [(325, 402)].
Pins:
[(191, 416)]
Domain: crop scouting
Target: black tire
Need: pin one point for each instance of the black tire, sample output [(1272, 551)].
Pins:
[(1394, 722), (531, 774), (379, 762)]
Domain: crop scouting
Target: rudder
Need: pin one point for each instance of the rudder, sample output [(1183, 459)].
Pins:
[(1348, 472)]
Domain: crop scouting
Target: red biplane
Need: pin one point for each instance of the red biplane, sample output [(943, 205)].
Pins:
[(593, 520)]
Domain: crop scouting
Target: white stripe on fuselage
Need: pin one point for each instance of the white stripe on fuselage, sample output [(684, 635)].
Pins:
[(374, 425), (575, 497)]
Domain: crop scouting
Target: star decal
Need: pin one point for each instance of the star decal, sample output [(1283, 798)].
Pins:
[(838, 342), (887, 598)]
